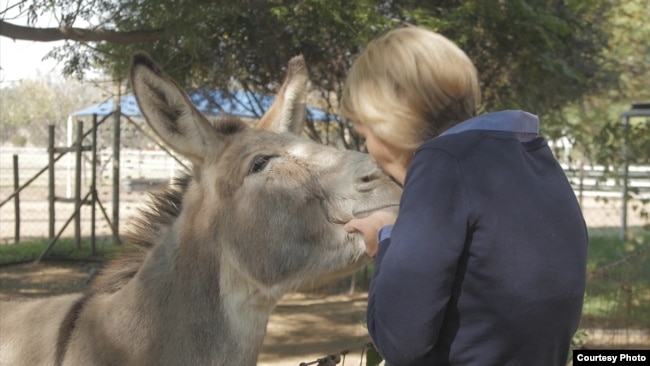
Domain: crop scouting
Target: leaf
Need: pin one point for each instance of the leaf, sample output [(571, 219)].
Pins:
[(373, 358)]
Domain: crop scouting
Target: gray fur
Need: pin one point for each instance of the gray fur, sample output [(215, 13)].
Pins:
[(261, 215)]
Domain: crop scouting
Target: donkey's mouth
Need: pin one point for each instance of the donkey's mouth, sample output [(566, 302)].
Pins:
[(366, 212), (340, 218)]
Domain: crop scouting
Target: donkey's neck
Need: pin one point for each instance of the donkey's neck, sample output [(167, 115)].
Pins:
[(212, 312), (247, 304)]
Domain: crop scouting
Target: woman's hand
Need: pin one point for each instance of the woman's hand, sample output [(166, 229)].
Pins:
[(369, 227)]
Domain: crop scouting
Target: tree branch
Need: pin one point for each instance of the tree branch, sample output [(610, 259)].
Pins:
[(80, 34)]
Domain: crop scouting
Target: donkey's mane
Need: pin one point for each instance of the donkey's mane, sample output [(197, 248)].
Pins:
[(161, 211), (206, 261)]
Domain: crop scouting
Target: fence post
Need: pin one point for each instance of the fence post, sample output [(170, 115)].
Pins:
[(116, 165), (626, 127), (77, 184), (16, 201), (581, 185), (93, 185), (51, 190)]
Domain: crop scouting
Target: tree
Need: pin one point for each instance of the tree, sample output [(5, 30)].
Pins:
[(594, 120), (537, 55), (29, 106)]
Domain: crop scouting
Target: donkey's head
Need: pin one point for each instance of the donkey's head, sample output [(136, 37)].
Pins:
[(266, 206)]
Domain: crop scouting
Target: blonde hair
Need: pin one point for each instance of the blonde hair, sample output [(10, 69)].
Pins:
[(410, 85)]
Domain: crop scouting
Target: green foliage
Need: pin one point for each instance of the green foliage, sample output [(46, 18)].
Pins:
[(29, 106), (618, 283), (611, 138), (373, 358), (594, 120), (63, 249), (536, 55), (577, 342)]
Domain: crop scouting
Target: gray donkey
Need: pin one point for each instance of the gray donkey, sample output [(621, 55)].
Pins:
[(261, 214)]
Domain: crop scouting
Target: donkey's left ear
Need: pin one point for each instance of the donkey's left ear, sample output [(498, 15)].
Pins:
[(289, 110), (168, 110)]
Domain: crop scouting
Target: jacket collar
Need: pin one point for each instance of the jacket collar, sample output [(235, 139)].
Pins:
[(523, 124)]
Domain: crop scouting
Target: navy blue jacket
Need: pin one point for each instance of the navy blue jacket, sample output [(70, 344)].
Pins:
[(486, 262)]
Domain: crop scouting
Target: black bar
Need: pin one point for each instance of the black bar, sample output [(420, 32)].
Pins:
[(610, 356)]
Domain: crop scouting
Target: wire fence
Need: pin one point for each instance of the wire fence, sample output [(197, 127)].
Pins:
[(616, 313), (142, 171), (617, 304)]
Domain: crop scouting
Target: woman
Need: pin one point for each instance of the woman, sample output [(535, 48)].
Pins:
[(485, 263)]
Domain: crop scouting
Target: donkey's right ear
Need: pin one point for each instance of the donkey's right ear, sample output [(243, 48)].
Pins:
[(169, 111), (289, 110)]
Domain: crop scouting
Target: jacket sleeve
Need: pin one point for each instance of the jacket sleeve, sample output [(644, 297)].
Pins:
[(415, 268)]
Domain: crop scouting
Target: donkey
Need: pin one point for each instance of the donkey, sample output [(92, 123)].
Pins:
[(261, 214)]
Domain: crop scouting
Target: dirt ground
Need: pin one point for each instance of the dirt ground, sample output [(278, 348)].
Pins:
[(303, 328)]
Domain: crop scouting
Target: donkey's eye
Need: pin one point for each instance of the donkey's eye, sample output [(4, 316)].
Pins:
[(260, 162)]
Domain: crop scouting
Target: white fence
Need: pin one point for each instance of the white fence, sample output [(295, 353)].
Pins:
[(138, 169), (597, 181), (134, 164), (599, 193)]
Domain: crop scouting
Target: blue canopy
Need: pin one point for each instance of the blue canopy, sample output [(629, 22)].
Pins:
[(209, 102)]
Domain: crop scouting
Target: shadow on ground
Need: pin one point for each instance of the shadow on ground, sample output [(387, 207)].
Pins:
[(303, 328)]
